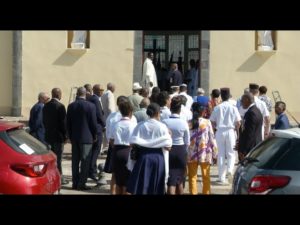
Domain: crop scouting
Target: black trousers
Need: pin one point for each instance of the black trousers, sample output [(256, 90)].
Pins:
[(58, 149), (95, 153), (81, 154)]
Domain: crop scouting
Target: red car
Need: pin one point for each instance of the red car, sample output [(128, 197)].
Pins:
[(26, 165)]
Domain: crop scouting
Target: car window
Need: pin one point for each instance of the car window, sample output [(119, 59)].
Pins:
[(23, 142), (269, 151), (290, 159)]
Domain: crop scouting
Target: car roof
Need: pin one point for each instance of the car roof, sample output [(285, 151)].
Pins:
[(288, 133), (8, 125)]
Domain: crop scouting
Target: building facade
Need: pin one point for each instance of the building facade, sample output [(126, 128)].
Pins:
[(35, 61)]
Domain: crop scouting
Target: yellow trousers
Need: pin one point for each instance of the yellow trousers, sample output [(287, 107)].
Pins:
[(192, 173)]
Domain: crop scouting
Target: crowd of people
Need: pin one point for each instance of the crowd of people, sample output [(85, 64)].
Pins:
[(156, 139)]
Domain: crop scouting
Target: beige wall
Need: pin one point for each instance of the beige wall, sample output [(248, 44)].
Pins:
[(47, 63), (5, 72), (234, 63)]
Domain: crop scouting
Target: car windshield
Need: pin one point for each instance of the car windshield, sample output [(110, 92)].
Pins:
[(23, 142), (268, 151)]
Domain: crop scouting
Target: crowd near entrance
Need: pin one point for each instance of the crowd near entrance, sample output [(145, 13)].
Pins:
[(172, 47)]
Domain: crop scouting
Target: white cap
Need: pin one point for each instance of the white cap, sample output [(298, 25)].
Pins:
[(201, 91), (136, 86), (183, 85)]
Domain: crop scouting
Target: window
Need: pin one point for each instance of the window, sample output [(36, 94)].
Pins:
[(78, 39), (23, 142), (291, 157), (265, 40), (268, 152)]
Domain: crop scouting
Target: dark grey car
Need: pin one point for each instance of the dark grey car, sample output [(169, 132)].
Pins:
[(272, 167)]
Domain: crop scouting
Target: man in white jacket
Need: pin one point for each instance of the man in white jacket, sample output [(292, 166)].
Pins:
[(149, 78)]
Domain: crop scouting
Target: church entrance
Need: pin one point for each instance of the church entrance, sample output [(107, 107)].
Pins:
[(172, 46)]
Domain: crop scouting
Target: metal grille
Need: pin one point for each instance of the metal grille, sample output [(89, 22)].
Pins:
[(193, 41)]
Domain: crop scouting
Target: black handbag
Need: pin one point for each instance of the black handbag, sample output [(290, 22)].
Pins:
[(135, 152)]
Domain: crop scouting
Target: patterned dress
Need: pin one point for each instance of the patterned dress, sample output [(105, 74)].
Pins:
[(203, 147)]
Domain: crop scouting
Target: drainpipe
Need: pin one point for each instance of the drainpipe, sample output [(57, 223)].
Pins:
[(17, 74)]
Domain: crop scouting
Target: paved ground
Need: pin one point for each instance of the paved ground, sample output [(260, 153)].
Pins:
[(104, 189)]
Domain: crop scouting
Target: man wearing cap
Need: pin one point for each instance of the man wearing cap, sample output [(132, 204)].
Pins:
[(254, 89), (175, 91), (149, 78), (135, 99), (226, 119)]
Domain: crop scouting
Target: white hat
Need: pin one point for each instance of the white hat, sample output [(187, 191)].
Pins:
[(183, 85), (136, 86), (201, 91)]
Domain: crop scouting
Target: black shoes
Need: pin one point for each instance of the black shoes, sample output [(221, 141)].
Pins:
[(84, 188)]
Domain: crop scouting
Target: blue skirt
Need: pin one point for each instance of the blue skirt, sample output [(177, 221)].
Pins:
[(177, 165), (119, 158), (148, 174)]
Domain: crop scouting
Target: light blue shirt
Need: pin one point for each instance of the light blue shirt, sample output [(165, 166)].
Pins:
[(165, 113), (179, 129)]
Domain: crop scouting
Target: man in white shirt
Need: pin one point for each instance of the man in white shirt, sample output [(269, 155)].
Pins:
[(108, 100), (149, 78), (254, 89), (226, 119), (183, 91)]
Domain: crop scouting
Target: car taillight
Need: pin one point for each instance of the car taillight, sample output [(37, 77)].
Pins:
[(263, 184), (36, 170)]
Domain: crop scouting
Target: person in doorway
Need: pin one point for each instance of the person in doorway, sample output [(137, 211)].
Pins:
[(149, 78)]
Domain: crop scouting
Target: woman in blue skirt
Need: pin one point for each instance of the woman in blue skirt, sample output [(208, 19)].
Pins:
[(153, 140), (178, 154)]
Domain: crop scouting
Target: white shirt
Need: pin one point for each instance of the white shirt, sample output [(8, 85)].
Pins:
[(122, 131), (149, 74), (165, 113), (110, 123), (108, 103), (174, 94), (225, 115), (232, 102), (189, 101), (261, 106), (179, 129), (185, 113), (151, 134)]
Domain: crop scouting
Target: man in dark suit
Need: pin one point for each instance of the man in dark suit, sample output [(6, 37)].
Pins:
[(95, 99), (36, 125), (82, 131), (175, 75), (251, 133), (282, 121), (54, 119)]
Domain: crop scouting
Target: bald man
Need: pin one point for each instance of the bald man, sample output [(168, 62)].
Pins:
[(82, 130), (54, 119), (36, 125)]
